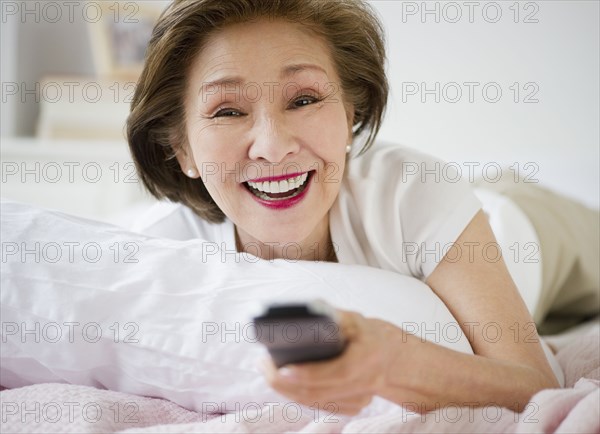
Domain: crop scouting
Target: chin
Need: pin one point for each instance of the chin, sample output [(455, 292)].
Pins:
[(282, 237), (279, 240)]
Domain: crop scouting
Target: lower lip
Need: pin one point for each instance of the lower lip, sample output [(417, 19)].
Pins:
[(283, 203)]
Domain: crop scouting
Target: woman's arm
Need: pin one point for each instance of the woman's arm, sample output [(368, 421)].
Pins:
[(506, 370), (479, 291)]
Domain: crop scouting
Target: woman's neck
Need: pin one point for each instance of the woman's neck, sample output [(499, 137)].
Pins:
[(317, 248)]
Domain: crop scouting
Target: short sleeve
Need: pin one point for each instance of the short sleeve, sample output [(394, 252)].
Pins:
[(411, 208)]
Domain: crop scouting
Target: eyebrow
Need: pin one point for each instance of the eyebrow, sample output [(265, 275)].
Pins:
[(285, 72), (225, 81), (297, 67)]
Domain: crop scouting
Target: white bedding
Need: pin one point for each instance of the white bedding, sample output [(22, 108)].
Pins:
[(164, 308), (166, 318), (60, 408)]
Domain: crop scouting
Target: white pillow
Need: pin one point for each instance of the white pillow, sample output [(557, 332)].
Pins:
[(164, 308)]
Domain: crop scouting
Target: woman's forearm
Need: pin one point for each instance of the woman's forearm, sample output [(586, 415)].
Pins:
[(426, 376)]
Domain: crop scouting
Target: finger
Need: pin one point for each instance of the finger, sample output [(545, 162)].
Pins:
[(316, 373), (354, 364), (321, 393), (365, 385), (305, 392), (350, 405), (353, 406), (349, 323)]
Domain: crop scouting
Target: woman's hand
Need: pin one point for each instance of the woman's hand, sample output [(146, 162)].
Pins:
[(347, 383), (381, 359)]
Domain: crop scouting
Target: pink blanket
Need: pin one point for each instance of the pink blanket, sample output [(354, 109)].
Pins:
[(62, 408)]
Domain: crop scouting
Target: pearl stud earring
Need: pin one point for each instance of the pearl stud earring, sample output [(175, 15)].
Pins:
[(192, 173), (348, 149)]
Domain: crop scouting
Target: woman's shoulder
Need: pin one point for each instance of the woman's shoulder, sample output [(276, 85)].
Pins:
[(390, 169), (393, 198), (396, 177), (394, 160)]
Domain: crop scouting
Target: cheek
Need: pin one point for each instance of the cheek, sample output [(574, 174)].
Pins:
[(216, 144), (216, 155), (330, 135), (327, 126)]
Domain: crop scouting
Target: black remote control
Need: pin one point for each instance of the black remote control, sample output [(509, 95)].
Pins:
[(300, 332)]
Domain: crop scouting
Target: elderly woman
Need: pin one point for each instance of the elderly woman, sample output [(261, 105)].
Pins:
[(247, 117)]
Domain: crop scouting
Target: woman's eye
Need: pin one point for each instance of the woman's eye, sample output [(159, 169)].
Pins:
[(227, 112), (305, 100)]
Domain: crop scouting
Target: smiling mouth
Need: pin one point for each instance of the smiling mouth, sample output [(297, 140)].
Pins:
[(271, 190)]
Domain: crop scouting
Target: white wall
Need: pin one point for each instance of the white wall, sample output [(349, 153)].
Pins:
[(559, 54), (8, 66)]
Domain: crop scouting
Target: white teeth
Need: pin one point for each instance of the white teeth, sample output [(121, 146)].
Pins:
[(279, 186)]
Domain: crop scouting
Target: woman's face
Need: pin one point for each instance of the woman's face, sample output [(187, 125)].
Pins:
[(264, 101)]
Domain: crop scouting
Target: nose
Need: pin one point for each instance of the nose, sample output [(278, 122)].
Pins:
[(272, 139)]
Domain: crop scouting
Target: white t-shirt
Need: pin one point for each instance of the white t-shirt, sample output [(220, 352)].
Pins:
[(398, 209)]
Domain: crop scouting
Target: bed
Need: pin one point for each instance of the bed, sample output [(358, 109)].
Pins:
[(572, 409), (149, 371)]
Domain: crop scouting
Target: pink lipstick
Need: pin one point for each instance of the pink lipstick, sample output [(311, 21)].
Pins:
[(271, 201)]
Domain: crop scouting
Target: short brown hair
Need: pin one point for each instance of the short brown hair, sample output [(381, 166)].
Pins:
[(155, 127)]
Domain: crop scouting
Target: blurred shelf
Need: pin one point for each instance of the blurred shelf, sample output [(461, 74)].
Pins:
[(85, 108)]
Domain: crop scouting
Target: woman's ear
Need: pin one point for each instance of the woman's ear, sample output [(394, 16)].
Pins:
[(350, 119), (186, 162)]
